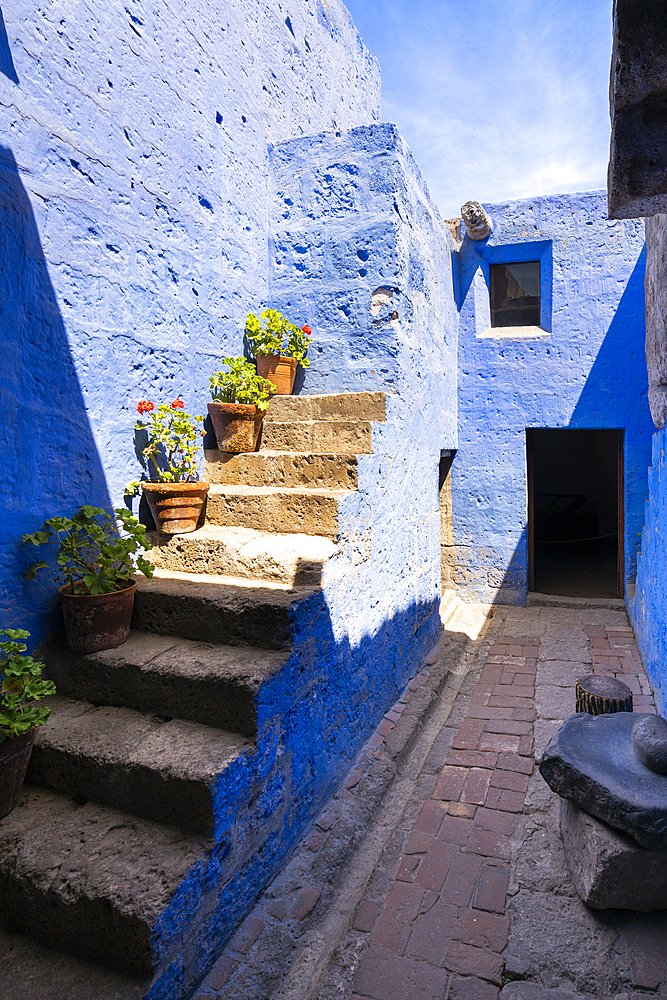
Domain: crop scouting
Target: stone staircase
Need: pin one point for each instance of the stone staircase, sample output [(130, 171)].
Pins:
[(177, 770)]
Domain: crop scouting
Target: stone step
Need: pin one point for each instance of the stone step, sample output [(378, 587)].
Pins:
[(281, 469), (165, 770), (339, 406), (294, 559), (218, 609), (274, 508), (218, 686), (321, 437), (97, 882)]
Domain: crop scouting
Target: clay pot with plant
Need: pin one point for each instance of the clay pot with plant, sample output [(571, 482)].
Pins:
[(240, 399), (173, 490), (20, 713), (278, 347), (95, 564)]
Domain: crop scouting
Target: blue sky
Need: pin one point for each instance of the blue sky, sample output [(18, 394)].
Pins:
[(498, 99)]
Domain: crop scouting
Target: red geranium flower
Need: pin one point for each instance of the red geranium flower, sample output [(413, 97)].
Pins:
[(145, 406), (177, 404), (307, 330)]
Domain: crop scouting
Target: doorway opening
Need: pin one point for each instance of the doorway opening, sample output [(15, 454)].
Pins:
[(575, 512)]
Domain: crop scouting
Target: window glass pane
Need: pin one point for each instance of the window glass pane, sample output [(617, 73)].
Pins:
[(515, 294)]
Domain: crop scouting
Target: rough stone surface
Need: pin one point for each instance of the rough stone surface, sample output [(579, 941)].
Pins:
[(608, 867), (582, 369), (95, 881), (319, 436), (208, 609), (294, 559), (328, 406), (271, 508), (165, 771), (649, 738), (637, 181), (533, 991), (591, 760), (223, 686), (281, 468)]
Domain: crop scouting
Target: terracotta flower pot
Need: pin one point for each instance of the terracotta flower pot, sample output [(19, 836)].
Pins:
[(175, 506), (97, 621), (236, 425), (279, 370), (14, 757)]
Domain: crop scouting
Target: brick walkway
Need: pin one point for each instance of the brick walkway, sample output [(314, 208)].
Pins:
[(443, 921), (471, 888), (442, 928)]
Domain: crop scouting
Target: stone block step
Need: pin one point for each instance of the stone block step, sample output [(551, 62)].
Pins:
[(328, 406), (217, 686), (218, 609), (281, 468), (97, 882), (165, 770), (274, 508), (337, 437), (293, 559)]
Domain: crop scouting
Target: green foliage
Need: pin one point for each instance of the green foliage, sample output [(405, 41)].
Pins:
[(241, 384), (94, 558), (173, 442), (278, 336), (22, 687)]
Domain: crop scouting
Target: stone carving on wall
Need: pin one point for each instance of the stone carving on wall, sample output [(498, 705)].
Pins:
[(477, 221)]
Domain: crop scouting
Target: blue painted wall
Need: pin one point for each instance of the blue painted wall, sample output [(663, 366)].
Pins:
[(586, 369), (134, 200)]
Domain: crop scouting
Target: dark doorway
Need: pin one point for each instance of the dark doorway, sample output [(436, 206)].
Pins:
[(575, 512)]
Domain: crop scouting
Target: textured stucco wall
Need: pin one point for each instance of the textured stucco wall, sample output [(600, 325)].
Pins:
[(587, 371), (134, 220), (359, 249), (358, 246), (655, 286), (647, 601)]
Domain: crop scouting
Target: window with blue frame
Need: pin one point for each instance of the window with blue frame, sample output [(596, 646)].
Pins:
[(515, 293)]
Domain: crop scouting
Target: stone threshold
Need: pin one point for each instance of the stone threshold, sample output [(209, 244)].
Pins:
[(536, 600)]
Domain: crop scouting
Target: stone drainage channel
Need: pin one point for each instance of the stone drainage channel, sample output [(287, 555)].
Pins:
[(438, 872)]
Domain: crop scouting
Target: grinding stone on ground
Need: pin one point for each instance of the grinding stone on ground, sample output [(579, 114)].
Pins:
[(608, 868), (591, 761)]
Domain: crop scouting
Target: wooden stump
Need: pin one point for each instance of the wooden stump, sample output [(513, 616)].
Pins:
[(600, 695)]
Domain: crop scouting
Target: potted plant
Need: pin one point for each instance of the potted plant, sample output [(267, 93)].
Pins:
[(20, 713), (96, 563), (240, 399), (173, 491), (278, 346)]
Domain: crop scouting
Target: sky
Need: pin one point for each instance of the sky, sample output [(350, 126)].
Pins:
[(498, 99)]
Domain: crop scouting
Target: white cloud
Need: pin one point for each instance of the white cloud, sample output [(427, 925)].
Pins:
[(497, 99)]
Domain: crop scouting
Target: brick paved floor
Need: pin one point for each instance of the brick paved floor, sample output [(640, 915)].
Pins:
[(471, 889), (442, 923), (441, 931)]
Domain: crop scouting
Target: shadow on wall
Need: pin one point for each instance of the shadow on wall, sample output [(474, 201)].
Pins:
[(6, 62), (616, 396), (50, 463)]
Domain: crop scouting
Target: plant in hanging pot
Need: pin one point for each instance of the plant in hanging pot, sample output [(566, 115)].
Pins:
[(278, 346), (21, 692), (96, 563), (173, 491), (240, 399)]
